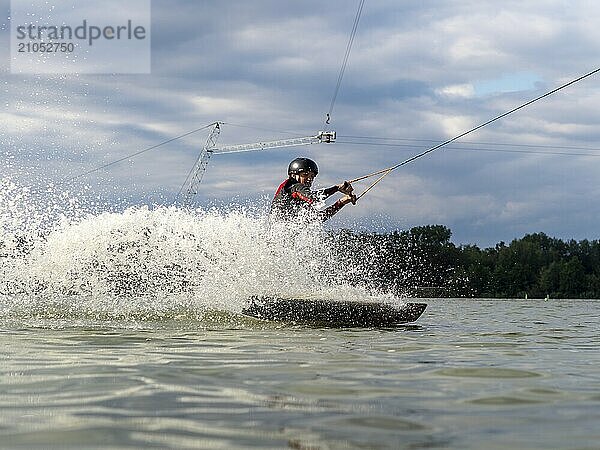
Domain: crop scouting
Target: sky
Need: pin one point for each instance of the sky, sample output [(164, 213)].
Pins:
[(419, 73)]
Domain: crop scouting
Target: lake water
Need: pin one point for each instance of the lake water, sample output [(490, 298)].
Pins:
[(469, 374), (107, 342)]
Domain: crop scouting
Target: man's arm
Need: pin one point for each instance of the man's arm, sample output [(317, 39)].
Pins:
[(332, 210), (303, 193), (344, 188)]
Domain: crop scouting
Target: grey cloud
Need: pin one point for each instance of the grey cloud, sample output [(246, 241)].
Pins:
[(273, 65)]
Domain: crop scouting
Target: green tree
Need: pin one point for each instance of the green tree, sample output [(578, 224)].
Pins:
[(424, 261), (572, 278)]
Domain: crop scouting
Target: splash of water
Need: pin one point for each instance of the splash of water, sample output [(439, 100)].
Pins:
[(164, 262)]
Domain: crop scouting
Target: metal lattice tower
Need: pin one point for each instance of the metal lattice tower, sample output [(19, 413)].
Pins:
[(192, 182), (321, 137)]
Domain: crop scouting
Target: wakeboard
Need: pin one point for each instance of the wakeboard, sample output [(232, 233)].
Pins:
[(332, 313)]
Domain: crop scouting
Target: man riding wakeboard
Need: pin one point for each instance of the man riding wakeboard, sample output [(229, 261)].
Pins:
[(294, 197)]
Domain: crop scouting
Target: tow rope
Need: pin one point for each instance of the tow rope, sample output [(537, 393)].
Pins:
[(387, 171)]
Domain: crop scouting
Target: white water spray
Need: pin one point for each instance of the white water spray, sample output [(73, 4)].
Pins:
[(157, 263)]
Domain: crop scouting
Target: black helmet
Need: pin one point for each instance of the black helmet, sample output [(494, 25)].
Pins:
[(300, 165)]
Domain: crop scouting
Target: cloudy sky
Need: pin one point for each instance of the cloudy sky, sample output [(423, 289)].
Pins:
[(420, 72)]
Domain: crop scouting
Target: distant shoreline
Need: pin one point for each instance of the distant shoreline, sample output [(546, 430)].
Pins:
[(422, 262)]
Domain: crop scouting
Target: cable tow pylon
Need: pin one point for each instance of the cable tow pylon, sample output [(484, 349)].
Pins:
[(192, 182), (321, 137)]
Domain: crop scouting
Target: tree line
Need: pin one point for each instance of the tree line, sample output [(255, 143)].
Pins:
[(422, 262)]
